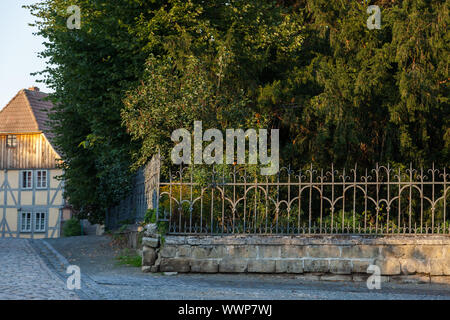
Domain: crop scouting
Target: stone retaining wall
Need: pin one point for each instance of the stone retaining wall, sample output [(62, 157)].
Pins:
[(325, 257)]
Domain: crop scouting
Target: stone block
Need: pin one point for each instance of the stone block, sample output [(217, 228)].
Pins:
[(390, 266), (424, 252), (269, 251), (168, 251), (184, 251), (150, 242), (397, 251), (415, 279), (146, 269), (437, 267), (440, 280), (148, 256), (204, 266), (261, 266), (241, 252), (360, 252), (206, 252), (289, 266), (324, 251), (360, 277), (151, 229), (408, 266), (422, 266), (293, 251), (340, 266), (446, 251), (309, 277), (174, 265), (336, 277), (154, 268), (316, 265), (228, 265), (360, 266)]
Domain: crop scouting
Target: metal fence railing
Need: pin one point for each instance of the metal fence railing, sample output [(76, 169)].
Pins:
[(383, 200), (144, 195)]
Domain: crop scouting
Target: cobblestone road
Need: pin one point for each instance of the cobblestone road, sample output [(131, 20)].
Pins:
[(24, 275), (35, 270)]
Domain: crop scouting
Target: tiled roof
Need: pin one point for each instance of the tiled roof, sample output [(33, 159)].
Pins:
[(27, 112)]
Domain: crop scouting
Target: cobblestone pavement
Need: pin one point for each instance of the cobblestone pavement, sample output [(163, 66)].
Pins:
[(24, 275), (103, 278)]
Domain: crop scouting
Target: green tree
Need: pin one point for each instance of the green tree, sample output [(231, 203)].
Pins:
[(365, 95), (89, 70)]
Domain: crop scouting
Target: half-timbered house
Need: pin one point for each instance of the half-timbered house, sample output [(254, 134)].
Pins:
[(31, 196)]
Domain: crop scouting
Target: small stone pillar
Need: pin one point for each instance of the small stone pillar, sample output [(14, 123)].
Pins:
[(150, 248)]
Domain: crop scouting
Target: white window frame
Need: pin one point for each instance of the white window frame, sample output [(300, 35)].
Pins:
[(24, 179), (43, 182), (26, 221), (13, 137), (40, 221)]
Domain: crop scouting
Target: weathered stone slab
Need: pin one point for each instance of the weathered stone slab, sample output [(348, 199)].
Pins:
[(440, 280), (174, 265), (325, 251), (151, 229), (146, 269), (428, 252), (232, 265), (241, 252), (411, 279), (204, 266), (183, 251), (360, 266), (289, 266), (437, 267), (388, 266), (396, 251), (168, 251), (360, 252), (306, 240), (293, 251), (340, 266), (422, 266), (336, 277), (315, 265), (408, 266), (360, 277), (309, 277), (269, 251), (208, 252), (150, 242), (148, 256), (261, 266)]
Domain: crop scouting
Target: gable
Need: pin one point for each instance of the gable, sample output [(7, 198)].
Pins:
[(17, 116), (33, 151), (27, 113)]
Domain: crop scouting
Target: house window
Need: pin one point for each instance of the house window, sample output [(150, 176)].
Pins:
[(41, 179), (25, 225), (27, 179), (11, 141), (39, 222)]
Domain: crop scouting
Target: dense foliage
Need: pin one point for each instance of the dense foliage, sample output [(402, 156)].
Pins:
[(339, 92)]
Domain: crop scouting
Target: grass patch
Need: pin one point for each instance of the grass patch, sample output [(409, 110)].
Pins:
[(129, 258)]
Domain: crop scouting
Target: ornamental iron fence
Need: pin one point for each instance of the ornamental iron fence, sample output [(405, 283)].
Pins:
[(382, 200)]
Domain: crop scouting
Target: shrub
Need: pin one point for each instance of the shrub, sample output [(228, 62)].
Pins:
[(72, 228)]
